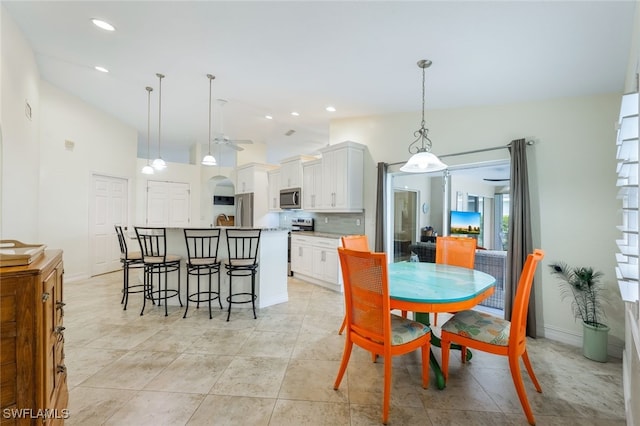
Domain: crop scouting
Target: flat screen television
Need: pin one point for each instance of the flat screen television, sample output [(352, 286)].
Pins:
[(464, 223)]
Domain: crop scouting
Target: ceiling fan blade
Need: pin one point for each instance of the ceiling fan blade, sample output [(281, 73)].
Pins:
[(496, 180), (234, 146), (247, 141)]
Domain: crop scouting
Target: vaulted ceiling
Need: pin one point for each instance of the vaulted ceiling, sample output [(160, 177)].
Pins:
[(273, 58)]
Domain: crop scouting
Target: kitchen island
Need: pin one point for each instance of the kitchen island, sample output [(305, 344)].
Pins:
[(271, 279)]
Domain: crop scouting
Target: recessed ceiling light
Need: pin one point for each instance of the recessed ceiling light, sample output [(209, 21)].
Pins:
[(330, 109), (295, 114), (101, 69), (103, 24), (268, 117)]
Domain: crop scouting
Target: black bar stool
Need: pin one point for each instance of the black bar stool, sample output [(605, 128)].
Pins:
[(242, 262), (129, 259), (153, 246), (202, 252)]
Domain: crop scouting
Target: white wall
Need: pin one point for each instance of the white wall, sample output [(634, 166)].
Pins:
[(572, 178), (102, 145), (19, 82)]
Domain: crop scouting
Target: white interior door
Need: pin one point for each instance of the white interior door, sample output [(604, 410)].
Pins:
[(109, 208), (168, 204)]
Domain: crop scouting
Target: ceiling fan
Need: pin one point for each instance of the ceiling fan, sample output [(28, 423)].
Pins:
[(224, 140)]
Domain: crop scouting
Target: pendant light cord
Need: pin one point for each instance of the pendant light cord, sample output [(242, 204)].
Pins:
[(422, 123), (422, 133), (149, 90), (160, 77), (211, 77)]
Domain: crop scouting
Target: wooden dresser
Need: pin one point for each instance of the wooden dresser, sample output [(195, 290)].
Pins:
[(33, 375)]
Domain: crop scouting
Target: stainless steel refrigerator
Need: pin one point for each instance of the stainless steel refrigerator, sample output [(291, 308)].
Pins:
[(244, 210)]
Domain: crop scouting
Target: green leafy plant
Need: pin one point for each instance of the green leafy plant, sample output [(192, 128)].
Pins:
[(583, 285)]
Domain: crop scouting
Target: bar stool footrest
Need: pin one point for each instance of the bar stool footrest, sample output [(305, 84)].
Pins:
[(252, 298), (195, 297)]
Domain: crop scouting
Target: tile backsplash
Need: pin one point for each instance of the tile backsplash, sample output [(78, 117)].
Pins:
[(334, 223)]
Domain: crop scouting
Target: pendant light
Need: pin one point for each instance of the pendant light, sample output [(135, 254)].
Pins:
[(422, 160), (159, 163), (209, 160), (148, 170)]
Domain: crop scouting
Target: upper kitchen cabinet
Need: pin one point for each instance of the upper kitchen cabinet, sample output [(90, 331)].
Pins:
[(291, 171), (253, 177), (274, 190), (311, 185), (342, 177)]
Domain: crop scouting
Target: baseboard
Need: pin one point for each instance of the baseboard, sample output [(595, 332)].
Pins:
[(575, 339), (325, 284), (75, 277), (274, 300)]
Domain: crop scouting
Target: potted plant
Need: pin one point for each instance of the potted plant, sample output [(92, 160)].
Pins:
[(583, 285)]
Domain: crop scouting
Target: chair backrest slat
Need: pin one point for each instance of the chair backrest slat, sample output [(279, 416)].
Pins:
[(456, 251), (202, 243), (355, 242), (243, 244), (366, 290), (153, 242), (122, 241)]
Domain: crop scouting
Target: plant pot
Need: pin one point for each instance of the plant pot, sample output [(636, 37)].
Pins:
[(594, 341)]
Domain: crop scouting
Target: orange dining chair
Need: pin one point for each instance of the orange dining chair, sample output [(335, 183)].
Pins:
[(370, 323), (487, 333), (353, 242), (455, 251)]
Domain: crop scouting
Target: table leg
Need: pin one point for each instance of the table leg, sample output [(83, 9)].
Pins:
[(423, 317)]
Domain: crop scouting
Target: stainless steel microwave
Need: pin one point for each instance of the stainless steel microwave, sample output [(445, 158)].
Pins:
[(291, 198)]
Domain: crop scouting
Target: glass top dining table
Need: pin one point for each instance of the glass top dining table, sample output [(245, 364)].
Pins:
[(423, 287)]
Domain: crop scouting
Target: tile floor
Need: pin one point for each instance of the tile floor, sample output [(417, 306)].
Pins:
[(127, 369)]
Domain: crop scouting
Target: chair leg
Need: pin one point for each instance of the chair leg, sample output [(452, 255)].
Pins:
[(463, 354), (179, 297), (219, 295), (516, 375), (145, 287), (125, 289), (445, 346), (124, 283), (527, 364), (186, 309), (229, 299), (425, 352), (166, 292), (348, 345), (253, 293), (435, 319), (210, 294), (343, 326), (387, 389)]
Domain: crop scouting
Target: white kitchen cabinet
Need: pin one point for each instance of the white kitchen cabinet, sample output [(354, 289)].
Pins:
[(252, 177), (291, 173), (311, 185), (274, 190), (325, 260), (315, 259), (343, 177), (245, 179), (301, 255)]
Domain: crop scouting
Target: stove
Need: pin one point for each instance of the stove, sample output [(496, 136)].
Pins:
[(302, 224), (298, 224)]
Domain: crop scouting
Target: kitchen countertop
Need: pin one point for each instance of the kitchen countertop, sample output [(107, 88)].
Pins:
[(318, 234)]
